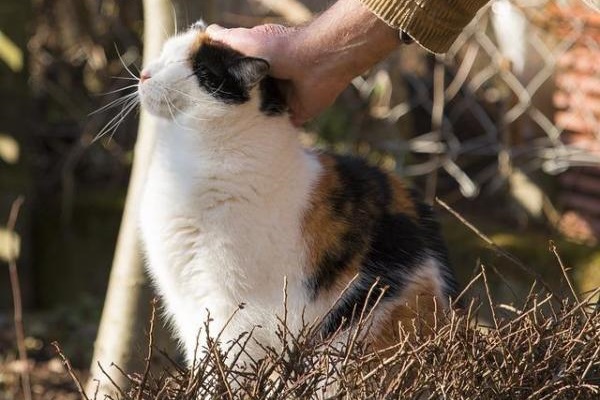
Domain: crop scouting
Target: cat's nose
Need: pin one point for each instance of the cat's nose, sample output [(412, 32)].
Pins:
[(144, 76)]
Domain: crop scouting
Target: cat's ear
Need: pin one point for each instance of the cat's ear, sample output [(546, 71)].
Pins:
[(249, 70), (199, 25)]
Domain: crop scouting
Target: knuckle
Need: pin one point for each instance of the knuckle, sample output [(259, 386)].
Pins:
[(272, 29)]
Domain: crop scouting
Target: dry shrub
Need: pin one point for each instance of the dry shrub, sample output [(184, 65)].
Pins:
[(546, 349)]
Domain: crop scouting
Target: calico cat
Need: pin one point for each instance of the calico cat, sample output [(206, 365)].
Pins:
[(234, 205)]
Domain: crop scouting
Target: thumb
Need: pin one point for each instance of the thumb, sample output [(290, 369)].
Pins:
[(239, 39), (230, 37), (214, 29)]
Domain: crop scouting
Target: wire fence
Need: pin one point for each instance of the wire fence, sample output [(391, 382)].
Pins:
[(491, 65), (515, 99)]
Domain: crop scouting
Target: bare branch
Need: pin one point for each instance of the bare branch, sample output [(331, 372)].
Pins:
[(17, 302)]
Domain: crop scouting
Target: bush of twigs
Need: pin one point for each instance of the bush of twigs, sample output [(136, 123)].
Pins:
[(546, 349)]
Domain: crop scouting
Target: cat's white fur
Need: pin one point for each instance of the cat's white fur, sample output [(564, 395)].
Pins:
[(223, 207)]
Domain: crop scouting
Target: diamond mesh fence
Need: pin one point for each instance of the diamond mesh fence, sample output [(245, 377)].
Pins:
[(515, 100)]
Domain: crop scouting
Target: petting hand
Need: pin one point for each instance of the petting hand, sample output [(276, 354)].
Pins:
[(317, 61), (310, 83)]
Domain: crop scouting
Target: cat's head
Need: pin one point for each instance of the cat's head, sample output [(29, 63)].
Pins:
[(197, 79)]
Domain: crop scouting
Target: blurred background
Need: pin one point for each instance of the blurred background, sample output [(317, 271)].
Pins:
[(505, 128)]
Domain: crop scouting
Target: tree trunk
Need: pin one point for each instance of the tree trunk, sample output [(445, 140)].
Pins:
[(121, 335)]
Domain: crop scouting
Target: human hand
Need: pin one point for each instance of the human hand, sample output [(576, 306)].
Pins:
[(316, 62), (310, 82)]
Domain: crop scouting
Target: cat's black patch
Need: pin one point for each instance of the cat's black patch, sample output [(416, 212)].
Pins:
[(211, 65), (334, 261), (391, 245), (229, 76), (272, 100), (359, 199), (396, 250), (435, 243)]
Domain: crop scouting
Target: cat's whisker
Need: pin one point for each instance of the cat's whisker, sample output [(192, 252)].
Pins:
[(126, 78), (114, 123), (197, 103), (182, 112), (213, 92), (114, 103), (114, 131), (107, 128), (173, 115), (124, 115), (175, 25), (218, 90), (188, 114), (124, 64), (194, 99), (118, 90)]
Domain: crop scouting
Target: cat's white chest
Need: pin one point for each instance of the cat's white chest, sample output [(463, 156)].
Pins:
[(217, 239)]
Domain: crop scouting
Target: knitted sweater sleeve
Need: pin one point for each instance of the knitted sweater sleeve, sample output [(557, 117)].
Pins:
[(434, 24)]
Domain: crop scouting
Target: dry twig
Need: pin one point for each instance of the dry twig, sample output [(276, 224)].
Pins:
[(70, 370), (17, 302), (499, 250), (150, 349)]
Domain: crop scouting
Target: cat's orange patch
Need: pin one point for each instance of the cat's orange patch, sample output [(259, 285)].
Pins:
[(402, 202), (324, 228), (323, 232), (201, 39), (421, 307)]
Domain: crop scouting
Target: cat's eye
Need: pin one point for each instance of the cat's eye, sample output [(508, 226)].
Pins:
[(202, 69)]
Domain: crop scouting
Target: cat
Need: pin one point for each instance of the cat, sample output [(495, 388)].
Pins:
[(234, 205)]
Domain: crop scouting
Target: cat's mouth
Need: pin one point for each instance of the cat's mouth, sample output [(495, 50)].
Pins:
[(157, 101)]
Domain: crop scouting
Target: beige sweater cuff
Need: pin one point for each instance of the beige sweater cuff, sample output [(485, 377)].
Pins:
[(434, 24)]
